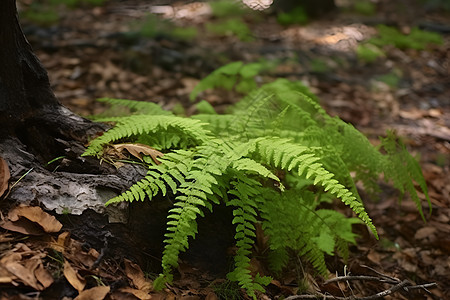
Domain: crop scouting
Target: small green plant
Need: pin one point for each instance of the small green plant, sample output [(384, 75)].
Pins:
[(41, 14), (45, 13), (184, 33), (233, 26), (319, 66), (368, 53), (392, 79), (226, 8), (365, 7), (153, 26), (417, 39), (227, 290), (233, 76), (274, 158), (297, 16)]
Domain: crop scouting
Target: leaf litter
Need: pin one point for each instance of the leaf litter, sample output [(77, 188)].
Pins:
[(4, 176)]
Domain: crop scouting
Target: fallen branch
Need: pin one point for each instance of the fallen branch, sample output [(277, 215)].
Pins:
[(406, 285), (363, 277)]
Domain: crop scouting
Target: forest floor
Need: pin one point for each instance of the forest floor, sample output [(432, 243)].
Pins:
[(94, 52)]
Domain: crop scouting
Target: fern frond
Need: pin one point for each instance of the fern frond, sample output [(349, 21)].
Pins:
[(135, 125), (305, 162), (245, 190), (278, 259), (125, 107), (249, 165), (142, 107), (224, 77), (194, 194), (168, 174), (403, 170), (290, 224)]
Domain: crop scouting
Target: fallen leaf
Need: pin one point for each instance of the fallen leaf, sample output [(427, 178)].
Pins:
[(97, 293), (424, 232), (73, 277), (4, 176), (134, 272), (62, 243), (23, 226), (374, 256), (87, 259), (140, 294), (43, 276), (138, 150), (24, 274), (5, 237), (5, 279), (36, 214)]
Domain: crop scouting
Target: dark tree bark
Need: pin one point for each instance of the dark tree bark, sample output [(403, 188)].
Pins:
[(35, 128)]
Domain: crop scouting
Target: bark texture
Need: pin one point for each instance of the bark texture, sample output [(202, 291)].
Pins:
[(35, 128)]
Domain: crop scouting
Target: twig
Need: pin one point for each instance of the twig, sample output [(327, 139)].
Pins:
[(381, 274), (405, 284), (379, 295), (15, 183), (422, 286), (362, 277)]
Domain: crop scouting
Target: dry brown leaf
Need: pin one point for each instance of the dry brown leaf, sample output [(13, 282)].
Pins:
[(23, 226), (374, 256), (37, 215), (134, 272), (160, 296), (97, 293), (43, 276), (138, 150), (88, 259), (62, 243), (4, 176), (73, 251), (5, 279), (140, 294), (424, 232), (5, 237), (73, 277), (23, 274)]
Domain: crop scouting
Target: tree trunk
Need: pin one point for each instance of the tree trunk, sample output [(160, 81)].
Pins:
[(35, 129)]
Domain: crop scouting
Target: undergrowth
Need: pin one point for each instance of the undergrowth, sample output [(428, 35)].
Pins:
[(417, 39), (275, 157)]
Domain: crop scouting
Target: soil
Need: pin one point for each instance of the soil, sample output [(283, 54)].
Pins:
[(95, 52)]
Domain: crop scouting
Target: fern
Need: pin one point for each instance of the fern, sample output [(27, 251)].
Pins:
[(403, 170), (274, 158), (124, 107), (235, 75), (190, 131), (245, 191)]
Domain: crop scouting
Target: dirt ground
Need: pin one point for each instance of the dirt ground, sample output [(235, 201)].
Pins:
[(94, 52)]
